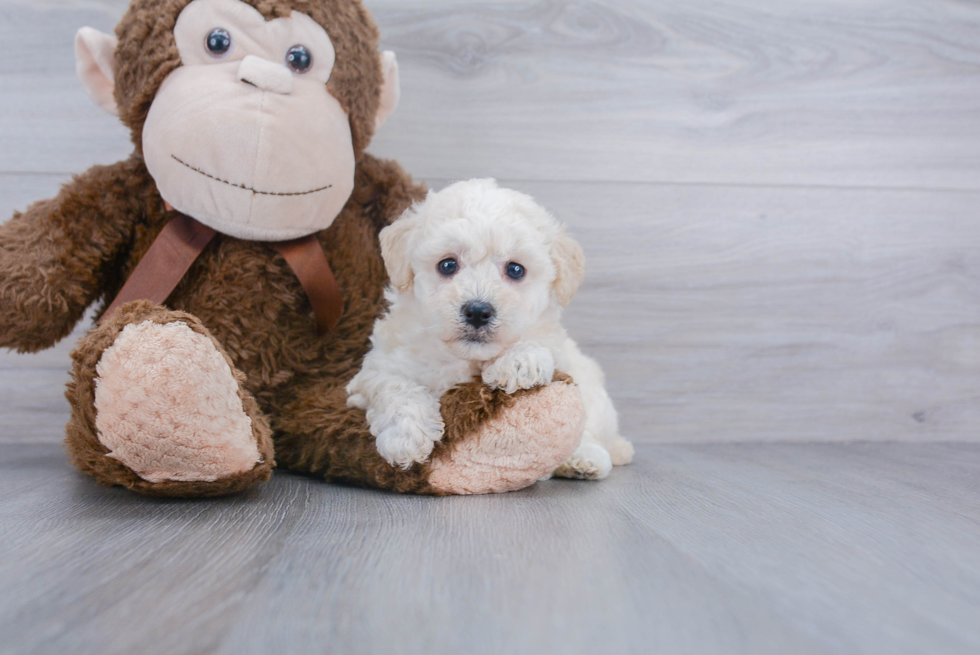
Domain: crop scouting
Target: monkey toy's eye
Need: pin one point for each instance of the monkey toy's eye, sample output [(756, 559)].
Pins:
[(218, 42), (299, 58), (448, 267), (515, 271)]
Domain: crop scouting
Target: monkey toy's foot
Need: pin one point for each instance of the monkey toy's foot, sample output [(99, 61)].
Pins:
[(158, 407), (497, 442)]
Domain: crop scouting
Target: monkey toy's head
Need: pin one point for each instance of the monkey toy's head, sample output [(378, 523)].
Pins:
[(249, 114)]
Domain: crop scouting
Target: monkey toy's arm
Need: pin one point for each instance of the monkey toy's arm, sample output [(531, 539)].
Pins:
[(56, 258)]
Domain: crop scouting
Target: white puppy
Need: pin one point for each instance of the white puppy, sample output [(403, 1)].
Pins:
[(479, 277)]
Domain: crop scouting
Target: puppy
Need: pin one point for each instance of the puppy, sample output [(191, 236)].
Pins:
[(480, 275)]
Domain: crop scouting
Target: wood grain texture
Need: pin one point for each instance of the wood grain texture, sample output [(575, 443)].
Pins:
[(874, 93), (748, 314), (695, 549)]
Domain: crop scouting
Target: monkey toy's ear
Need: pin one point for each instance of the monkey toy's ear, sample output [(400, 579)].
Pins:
[(95, 64), (390, 88)]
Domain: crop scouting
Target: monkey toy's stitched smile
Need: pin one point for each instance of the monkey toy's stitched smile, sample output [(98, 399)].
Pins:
[(242, 186)]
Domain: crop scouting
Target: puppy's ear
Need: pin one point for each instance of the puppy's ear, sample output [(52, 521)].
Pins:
[(394, 251), (570, 265)]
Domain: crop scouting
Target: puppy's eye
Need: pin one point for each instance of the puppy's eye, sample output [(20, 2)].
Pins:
[(218, 42), (299, 58), (515, 271), (448, 267)]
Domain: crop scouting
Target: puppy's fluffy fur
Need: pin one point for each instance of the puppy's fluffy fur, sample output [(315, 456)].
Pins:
[(456, 312)]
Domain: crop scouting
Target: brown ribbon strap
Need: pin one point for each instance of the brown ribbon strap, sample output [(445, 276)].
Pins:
[(308, 261), (183, 240), (164, 265)]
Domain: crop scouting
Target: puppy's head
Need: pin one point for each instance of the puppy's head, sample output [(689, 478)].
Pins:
[(482, 265)]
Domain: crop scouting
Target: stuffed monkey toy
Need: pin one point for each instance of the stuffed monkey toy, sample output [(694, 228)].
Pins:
[(235, 262)]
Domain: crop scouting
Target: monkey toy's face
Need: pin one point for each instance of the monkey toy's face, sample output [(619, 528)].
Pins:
[(244, 136)]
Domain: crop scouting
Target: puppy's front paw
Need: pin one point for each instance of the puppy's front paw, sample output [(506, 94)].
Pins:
[(406, 440), (520, 367), (590, 461), (355, 397)]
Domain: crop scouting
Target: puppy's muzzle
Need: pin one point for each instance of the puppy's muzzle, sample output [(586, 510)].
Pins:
[(478, 314)]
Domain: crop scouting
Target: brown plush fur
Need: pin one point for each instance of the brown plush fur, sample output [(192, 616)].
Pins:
[(64, 254), (255, 308)]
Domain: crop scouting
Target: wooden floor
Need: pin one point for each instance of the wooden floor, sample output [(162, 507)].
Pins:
[(780, 204), (719, 548)]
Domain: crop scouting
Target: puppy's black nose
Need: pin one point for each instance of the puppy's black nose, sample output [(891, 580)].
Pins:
[(478, 313)]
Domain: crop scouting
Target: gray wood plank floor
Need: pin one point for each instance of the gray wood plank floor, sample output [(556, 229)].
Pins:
[(780, 203), (741, 548)]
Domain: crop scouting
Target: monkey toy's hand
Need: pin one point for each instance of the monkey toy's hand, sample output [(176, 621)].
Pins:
[(55, 257)]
